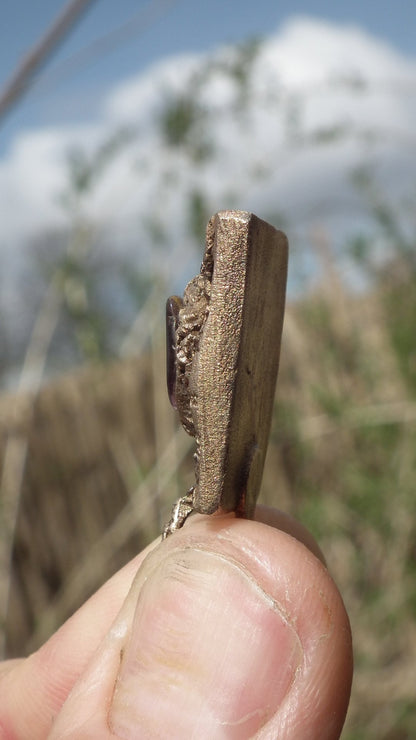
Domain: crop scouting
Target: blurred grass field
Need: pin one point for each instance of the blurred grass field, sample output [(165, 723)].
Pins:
[(93, 462)]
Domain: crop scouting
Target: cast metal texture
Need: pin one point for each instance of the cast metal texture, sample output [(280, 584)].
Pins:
[(223, 357)]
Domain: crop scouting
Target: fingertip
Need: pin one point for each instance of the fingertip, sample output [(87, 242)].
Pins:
[(287, 523), (288, 567)]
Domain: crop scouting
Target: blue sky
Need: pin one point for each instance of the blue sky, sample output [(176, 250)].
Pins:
[(175, 27), (276, 160)]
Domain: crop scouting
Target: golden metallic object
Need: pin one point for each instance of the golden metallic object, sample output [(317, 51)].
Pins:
[(223, 341)]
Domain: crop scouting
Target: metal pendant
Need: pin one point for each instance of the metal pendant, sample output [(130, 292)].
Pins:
[(223, 348)]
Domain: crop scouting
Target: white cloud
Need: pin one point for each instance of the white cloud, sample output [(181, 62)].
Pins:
[(309, 81), (148, 89), (311, 51)]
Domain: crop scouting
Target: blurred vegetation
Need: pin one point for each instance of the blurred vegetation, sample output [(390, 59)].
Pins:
[(346, 432), (92, 462)]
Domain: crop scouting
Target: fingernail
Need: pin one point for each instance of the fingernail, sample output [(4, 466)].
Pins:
[(210, 652)]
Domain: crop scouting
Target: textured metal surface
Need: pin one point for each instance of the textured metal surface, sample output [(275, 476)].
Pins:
[(227, 356)]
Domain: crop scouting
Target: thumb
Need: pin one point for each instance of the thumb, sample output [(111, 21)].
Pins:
[(232, 629)]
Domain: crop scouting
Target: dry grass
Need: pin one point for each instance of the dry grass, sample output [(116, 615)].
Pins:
[(96, 460)]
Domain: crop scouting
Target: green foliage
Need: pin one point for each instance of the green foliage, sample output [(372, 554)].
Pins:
[(240, 69), (182, 124), (359, 248), (400, 312), (397, 275), (330, 134), (86, 168), (198, 215), (185, 120), (155, 229), (178, 120), (241, 65)]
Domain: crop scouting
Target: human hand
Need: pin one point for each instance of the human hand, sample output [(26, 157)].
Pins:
[(231, 629)]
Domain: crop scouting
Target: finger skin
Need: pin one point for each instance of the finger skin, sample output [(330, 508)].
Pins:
[(47, 676), (316, 704), (86, 659)]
